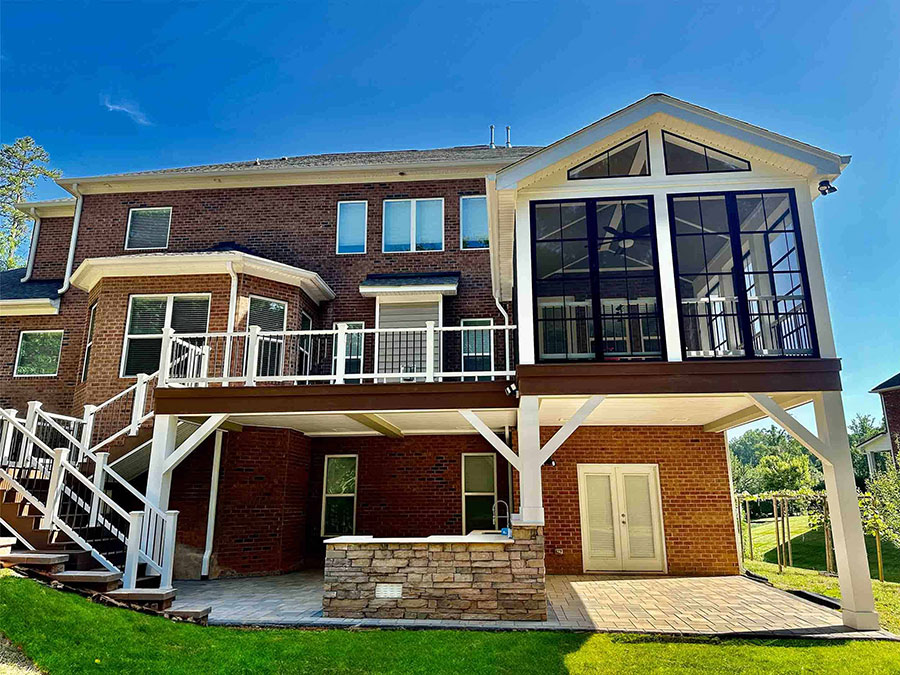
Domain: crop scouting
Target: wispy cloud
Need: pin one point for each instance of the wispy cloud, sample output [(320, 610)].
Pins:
[(130, 109)]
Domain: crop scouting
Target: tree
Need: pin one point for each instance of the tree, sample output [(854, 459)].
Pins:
[(21, 165), (785, 472)]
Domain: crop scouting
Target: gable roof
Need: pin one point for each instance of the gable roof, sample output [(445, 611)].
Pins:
[(823, 161), (892, 382), (32, 297)]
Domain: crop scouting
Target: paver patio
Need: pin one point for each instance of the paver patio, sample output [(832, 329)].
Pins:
[(682, 605)]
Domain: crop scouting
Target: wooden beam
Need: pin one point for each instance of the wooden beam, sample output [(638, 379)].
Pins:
[(228, 425), (492, 438), (377, 423), (783, 418), (569, 427), (753, 413), (192, 441)]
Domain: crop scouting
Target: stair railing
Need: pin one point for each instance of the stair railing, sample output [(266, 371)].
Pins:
[(75, 502)]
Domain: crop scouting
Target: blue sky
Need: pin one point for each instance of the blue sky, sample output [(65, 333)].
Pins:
[(109, 87)]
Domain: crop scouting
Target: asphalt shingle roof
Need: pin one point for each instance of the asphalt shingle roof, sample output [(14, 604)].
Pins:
[(889, 383), (462, 154), (12, 288), (412, 279)]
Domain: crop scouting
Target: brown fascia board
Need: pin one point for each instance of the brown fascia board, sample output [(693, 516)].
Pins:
[(685, 377)]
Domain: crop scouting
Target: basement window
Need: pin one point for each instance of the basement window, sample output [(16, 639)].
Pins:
[(339, 495), (148, 228), (38, 353)]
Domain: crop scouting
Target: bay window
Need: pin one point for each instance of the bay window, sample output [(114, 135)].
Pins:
[(149, 316)]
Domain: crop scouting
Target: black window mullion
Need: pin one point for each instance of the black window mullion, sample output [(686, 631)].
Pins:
[(737, 273), (593, 266)]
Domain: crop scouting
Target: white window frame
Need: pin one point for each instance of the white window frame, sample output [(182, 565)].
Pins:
[(147, 248), (167, 322), (259, 347), (465, 494), (462, 342), (337, 229), (89, 341), (412, 224), (19, 350), (462, 246), (325, 494)]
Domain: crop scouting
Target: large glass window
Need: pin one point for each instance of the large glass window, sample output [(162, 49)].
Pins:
[(740, 278), (38, 353), (351, 227), (473, 222), (413, 225), (479, 491), (686, 156), (630, 158), (339, 495), (149, 317), (595, 274), (148, 228)]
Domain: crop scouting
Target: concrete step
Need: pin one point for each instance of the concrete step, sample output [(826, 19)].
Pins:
[(156, 598), (6, 544), (49, 562), (197, 614), (103, 581)]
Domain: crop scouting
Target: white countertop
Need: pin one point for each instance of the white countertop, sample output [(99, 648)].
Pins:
[(472, 538)]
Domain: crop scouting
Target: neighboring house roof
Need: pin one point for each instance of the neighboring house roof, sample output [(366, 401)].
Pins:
[(877, 443), (440, 283), (32, 297), (890, 383), (92, 270), (49, 208)]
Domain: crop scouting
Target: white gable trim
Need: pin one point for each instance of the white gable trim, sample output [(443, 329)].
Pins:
[(824, 162)]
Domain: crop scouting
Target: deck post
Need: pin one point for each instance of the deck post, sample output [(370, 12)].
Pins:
[(132, 552), (165, 357), (340, 365), (6, 437), (429, 351), (168, 549), (162, 445), (54, 489), (99, 483), (137, 405), (531, 501), (252, 356)]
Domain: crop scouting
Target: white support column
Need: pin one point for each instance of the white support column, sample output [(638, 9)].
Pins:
[(523, 289), (340, 365), (132, 552), (252, 356), (429, 351), (870, 462), (213, 501), (162, 446), (168, 556), (138, 403), (531, 500), (668, 295), (7, 436), (54, 490), (857, 602)]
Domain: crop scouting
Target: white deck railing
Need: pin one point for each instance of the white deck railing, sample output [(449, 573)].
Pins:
[(370, 355)]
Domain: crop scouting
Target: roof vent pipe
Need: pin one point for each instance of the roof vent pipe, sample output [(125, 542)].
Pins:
[(492, 145), (508, 142)]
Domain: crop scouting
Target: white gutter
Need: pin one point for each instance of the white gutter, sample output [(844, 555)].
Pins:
[(67, 281), (211, 511), (32, 249), (232, 306)]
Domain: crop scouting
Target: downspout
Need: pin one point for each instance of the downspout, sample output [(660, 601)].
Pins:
[(232, 306), (75, 223), (32, 249), (211, 511)]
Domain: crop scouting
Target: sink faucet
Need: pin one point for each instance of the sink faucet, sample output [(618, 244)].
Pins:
[(495, 512)]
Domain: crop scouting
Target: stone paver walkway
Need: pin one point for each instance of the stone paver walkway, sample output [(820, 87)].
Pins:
[(679, 605)]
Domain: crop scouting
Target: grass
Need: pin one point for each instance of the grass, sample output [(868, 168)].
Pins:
[(64, 633), (809, 557)]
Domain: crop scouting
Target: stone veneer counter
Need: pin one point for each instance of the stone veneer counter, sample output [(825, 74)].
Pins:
[(477, 576)]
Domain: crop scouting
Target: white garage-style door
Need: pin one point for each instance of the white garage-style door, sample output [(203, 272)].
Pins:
[(621, 518)]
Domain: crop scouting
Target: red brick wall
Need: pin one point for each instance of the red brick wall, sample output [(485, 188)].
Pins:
[(52, 248), (55, 392), (891, 400), (407, 487), (262, 504), (694, 482)]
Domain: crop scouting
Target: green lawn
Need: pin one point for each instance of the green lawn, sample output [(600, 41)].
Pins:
[(64, 633), (809, 557)]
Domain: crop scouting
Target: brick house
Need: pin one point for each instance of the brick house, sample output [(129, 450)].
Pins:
[(258, 367), (885, 445)]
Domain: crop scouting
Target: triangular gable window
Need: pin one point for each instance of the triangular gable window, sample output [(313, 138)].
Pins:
[(626, 159), (684, 156)]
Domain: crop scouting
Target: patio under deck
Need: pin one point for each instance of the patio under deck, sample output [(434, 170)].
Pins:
[(733, 605)]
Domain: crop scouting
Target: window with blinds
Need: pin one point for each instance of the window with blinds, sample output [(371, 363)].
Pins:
[(269, 315), (149, 317), (148, 228)]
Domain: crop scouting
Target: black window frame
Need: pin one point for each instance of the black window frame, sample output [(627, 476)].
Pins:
[(704, 146), (646, 136), (593, 240), (739, 276)]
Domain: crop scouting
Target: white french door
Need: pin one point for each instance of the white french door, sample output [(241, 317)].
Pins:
[(621, 517)]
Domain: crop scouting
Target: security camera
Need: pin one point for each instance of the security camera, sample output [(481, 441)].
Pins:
[(826, 188)]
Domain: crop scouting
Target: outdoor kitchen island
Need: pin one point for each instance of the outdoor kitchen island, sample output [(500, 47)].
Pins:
[(479, 576)]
